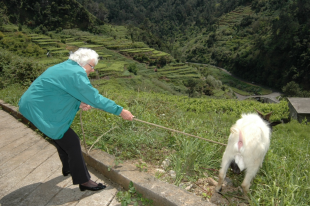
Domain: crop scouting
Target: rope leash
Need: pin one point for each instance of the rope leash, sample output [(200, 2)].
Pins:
[(138, 120), (83, 132), (173, 130)]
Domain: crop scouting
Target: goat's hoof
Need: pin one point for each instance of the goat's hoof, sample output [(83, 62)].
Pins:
[(218, 190)]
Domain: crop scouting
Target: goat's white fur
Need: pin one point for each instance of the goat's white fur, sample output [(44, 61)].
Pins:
[(254, 134)]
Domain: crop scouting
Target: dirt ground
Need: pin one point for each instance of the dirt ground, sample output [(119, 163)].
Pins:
[(204, 188)]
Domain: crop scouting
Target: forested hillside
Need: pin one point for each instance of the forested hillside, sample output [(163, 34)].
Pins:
[(262, 41), (265, 41), (143, 68), (47, 15)]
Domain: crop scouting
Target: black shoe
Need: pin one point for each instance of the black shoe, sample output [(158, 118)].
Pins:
[(65, 173), (98, 187)]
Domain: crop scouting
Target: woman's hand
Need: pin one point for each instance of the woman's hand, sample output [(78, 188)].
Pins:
[(84, 106), (126, 115)]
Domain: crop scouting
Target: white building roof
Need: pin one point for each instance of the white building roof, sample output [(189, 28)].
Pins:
[(301, 105)]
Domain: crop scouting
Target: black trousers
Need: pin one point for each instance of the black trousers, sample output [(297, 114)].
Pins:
[(70, 153)]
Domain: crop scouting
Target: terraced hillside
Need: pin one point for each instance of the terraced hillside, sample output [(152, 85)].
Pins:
[(222, 38), (155, 70)]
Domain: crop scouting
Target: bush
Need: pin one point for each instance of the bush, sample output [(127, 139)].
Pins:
[(291, 89), (1, 35), (133, 68), (15, 69), (213, 82)]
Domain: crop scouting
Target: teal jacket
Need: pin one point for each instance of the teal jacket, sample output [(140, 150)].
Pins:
[(53, 99)]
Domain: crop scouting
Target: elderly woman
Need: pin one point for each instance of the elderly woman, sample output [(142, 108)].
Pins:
[(52, 101)]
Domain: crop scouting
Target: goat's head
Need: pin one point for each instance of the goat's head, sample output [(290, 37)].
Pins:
[(267, 117)]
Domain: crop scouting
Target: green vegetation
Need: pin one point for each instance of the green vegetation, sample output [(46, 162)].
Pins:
[(235, 84), (158, 87), (132, 197), (44, 16), (262, 41), (166, 75)]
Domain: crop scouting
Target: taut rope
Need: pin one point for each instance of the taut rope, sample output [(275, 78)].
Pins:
[(138, 120), (179, 132)]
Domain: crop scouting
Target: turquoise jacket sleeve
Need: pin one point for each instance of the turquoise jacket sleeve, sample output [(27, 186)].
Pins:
[(53, 99)]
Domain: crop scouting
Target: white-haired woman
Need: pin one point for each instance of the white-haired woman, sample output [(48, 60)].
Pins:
[(52, 101)]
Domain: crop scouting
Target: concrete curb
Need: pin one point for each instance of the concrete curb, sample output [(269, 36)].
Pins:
[(161, 193)]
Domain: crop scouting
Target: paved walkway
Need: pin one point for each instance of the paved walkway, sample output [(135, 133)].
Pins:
[(272, 97), (30, 172)]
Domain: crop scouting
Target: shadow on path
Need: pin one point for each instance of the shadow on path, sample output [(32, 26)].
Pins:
[(45, 193)]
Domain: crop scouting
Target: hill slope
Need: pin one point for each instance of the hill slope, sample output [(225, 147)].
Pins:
[(262, 41), (48, 15)]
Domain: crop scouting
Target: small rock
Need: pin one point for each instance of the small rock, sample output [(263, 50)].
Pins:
[(165, 164), (189, 187), (211, 181), (182, 185), (172, 174), (160, 170)]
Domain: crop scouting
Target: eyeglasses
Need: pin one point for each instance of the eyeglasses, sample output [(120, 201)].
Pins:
[(91, 66)]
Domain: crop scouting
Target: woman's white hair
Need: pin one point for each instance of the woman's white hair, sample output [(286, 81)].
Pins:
[(83, 55)]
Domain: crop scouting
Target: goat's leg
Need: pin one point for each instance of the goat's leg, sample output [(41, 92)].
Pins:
[(250, 174), (222, 174)]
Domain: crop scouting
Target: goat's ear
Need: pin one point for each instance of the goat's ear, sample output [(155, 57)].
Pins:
[(260, 114), (267, 116)]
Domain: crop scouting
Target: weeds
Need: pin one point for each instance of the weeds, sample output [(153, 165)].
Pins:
[(283, 180), (142, 166), (132, 197)]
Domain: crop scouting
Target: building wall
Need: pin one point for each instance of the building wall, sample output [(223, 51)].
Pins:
[(295, 115), (293, 112), (301, 117)]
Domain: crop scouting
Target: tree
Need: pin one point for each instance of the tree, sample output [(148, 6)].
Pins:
[(162, 61), (292, 89), (191, 86)]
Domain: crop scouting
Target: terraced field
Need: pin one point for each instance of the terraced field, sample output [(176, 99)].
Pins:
[(156, 69)]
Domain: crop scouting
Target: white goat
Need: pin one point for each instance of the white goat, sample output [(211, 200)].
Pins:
[(248, 144)]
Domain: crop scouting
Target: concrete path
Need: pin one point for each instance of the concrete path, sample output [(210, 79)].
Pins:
[(272, 97), (30, 171)]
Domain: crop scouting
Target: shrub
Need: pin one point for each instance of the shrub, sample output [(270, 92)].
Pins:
[(213, 82), (15, 69), (133, 68), (291, 89), (1, 35)]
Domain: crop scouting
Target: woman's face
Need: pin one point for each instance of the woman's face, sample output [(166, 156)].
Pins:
[(90, 67)]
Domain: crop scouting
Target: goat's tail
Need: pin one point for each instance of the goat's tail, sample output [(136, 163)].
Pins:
[(238, 138)]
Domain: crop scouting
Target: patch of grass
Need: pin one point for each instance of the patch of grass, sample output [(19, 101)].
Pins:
[(238, 91), (12, 94), (132, 197), (284, 178)]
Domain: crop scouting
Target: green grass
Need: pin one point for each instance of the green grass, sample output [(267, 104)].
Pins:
[(280, 180), (12, 94), (238, 91), (284, 177), (92, 46), (237, 85), (9, 28)]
